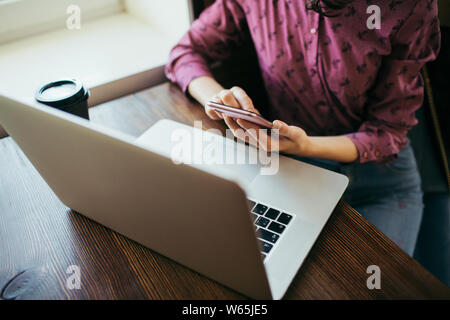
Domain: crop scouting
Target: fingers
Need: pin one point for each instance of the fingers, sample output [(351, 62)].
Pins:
[(212, 113), (290, 132), (231, 123), (283, 138), (235, 97), (227, 97), (239, 132), (260, 135), (243, 99), (277, 124)]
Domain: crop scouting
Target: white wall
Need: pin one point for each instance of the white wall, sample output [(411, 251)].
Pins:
[(168, 16), (23, 18)]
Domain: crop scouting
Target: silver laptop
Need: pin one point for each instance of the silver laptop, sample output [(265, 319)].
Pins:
[(240, 224)]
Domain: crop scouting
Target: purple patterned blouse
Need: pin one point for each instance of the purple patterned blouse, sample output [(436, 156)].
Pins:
[(330, 76)]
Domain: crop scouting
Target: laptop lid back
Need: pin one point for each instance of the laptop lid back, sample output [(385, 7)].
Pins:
[(195, 218)]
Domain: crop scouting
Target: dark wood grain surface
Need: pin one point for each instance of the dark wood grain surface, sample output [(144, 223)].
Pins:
[(40, 237)]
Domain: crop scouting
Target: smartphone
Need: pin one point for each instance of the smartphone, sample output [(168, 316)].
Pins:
[(239, 113)]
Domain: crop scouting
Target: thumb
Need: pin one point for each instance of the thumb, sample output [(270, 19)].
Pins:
[(278, 124), (284, 129)]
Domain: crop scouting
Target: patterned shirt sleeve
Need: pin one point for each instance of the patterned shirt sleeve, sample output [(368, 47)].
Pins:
[(210, 38), (399, 91)]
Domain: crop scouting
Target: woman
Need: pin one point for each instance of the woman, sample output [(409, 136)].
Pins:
[(338, 90)]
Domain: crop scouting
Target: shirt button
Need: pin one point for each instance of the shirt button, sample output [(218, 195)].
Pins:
[(313, 31)]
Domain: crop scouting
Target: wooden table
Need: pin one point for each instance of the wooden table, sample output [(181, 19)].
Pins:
[(40, 237)]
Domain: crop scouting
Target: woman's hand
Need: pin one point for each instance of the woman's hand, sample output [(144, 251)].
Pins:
[(283, 138), (290, 139), (294, 140), (235, 97)]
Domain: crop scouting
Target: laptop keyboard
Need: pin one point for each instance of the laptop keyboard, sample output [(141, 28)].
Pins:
[(270, 224)]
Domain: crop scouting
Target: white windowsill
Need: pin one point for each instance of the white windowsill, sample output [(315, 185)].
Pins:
[(112, 56)]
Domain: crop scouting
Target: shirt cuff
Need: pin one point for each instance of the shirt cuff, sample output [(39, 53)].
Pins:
[(185, 71), (367, 144)]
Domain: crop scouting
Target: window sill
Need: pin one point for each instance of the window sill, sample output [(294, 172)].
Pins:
[(113, 56)]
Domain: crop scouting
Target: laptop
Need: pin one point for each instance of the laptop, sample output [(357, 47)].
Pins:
[(230, 222)]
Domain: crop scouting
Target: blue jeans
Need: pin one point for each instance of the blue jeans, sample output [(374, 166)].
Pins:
[(388, 195), (435, 234)]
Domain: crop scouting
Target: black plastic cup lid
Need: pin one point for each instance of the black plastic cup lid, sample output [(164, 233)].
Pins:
[(61, 92)]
